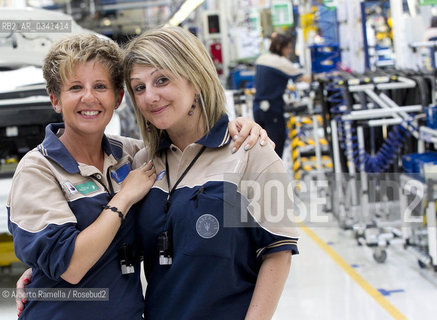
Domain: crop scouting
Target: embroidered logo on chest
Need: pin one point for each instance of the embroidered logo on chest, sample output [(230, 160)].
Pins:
[(207, 226)]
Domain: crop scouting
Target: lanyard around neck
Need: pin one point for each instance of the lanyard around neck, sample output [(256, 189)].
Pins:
[(167, 172)]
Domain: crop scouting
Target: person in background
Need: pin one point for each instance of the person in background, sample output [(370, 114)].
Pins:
[(272, 73), (201, 260), (70, 197), (431, 35), (431, 32)]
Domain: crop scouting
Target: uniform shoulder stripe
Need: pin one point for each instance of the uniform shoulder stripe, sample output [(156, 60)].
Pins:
[(288, 242), (226, 138), (116, 143), (42, 150)]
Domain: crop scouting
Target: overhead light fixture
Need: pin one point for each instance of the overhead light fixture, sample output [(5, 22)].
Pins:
[(184, 11), (106, 22)]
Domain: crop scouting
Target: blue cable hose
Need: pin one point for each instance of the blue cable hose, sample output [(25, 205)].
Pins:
[(387, 153)]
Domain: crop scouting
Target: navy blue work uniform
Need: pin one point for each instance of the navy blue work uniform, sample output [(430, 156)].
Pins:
[(52, 199), (272, 73), (218, 243)]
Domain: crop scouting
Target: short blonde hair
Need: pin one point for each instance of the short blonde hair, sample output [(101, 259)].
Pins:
[(65, 54), (180, 52)]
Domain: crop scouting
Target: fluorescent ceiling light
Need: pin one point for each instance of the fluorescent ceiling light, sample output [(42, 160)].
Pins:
[(184, 11)]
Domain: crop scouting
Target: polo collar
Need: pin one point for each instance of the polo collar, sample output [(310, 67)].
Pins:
[(217, 137), (53, 149)]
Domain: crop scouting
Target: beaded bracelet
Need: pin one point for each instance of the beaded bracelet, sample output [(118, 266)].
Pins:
[(115, 209)]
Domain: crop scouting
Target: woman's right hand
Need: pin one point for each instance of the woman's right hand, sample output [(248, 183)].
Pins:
[(138, 182), (92, 242), (25, 279)]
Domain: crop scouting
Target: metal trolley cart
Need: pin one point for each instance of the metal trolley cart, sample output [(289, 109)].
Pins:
[(359, 105), (418, 208)]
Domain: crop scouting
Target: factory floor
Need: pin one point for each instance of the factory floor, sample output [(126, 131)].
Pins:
[(334, 278)]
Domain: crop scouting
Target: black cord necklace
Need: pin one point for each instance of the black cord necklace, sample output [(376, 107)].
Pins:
[(167, 171)]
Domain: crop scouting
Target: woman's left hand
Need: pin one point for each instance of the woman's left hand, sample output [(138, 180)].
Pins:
[(244, 130), (25, 279)]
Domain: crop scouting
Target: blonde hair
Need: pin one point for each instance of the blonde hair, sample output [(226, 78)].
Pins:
[(180, 52), (65, 54)]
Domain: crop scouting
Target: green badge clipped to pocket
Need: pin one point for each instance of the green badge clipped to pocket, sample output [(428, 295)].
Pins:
[(87, 187)]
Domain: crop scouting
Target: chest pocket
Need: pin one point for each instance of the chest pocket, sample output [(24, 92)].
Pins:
[(208, 233)]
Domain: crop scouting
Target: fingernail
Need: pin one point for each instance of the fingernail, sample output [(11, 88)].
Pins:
[(26, 281), (246, 147), (23, 301), (262, 143), (235, 137), (234, 149)]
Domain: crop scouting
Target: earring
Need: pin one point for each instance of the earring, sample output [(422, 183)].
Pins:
[(196, 100), (148, 129)]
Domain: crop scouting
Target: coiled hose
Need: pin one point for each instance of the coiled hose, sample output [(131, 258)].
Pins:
[(386, 154)]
